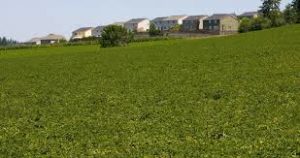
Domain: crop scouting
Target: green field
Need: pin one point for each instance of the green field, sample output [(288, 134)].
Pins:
[(234, 96)]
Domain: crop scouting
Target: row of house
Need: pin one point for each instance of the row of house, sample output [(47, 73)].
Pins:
[(216, 23)]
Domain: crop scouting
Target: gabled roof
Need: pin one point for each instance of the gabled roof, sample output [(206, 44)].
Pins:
[(53, 37), (221, 16), (249, 13), (175, 17), (159, 18), (196, 17), (137, 20), (34, 40), (99, 27), (83, 29)]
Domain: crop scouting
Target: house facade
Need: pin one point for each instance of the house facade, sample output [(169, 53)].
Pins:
[(221, 23), (250, 15), (166, 23), (81, 33), (97, 31), (193, 23), (52, 38), (138, 25), (49, 39)]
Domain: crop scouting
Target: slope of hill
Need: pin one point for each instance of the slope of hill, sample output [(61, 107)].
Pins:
[(230, 96)]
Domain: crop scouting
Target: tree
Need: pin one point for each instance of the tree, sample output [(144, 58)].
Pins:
[(176, 28), (114, 35), (296, 6), (5, 41), (245, 25), (271, 9), (153, 31), (290, 14), (260, 23)]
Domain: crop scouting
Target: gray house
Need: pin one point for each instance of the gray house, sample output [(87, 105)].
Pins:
[(221, 23), (193, 23), (167, 23), (97, 31)]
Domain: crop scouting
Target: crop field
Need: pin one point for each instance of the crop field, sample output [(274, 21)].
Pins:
[(234, 96)]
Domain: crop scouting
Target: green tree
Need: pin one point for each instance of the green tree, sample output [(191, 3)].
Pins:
[(290, 14), (176, 28), (296, 6), (271, 9), (245, 25), (260, 23), (114, 35), (153, 31)]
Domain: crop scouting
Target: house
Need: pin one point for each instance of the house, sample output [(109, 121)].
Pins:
[(97, 31), (170, 22), (49, 39), (83, 32), (34, 41), (221, 23), (137, 25), (249, 15), (158, 22), (193, 23), (52, 38)]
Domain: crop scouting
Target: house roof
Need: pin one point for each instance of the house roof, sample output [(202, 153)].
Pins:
[(175, 17), (221, 16), (99, 27), (48, 37), (53, 37), (159, 18), (195, 17), (249, 13), (33, 40), (137, 20), (83, 29)]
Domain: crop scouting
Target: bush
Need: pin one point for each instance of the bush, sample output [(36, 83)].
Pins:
[(245, 25), (260, 23), (153, 31), (114, 35)]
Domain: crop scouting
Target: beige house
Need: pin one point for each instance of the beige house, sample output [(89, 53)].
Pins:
[(49, 39), (249, 15), (166, 23), (221, 23), (83, 32), (137, 25), (193, 23)]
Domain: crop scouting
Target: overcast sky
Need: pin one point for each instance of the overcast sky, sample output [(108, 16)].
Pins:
[(24, 19)]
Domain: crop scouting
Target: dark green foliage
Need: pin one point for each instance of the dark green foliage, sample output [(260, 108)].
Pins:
[(296, 6), (153, 31), (290, 14), (234, 96), (260, 23), (245, 25), (114, 35), (176, 28), (271, 9), (5, 42)]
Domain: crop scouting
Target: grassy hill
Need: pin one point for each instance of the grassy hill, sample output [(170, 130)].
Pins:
[(219, 97)]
